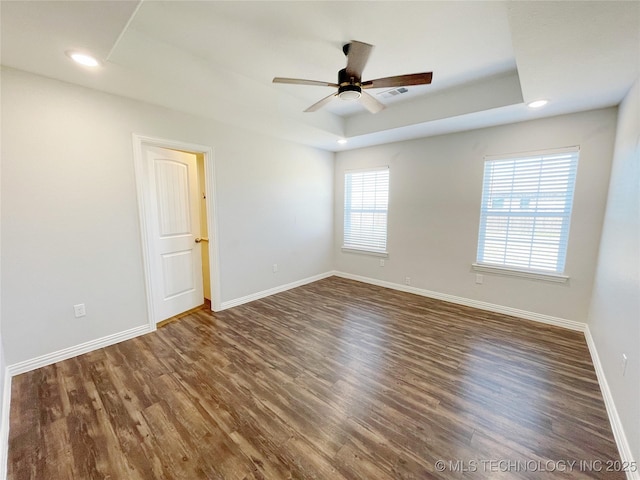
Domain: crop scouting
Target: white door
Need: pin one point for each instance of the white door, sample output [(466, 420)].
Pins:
[(171, 188)]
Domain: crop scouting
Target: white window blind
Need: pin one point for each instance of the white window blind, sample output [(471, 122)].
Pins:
[(526, 211), (366, 198)]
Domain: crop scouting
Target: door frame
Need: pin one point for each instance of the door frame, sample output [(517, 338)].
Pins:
[(144, 209)]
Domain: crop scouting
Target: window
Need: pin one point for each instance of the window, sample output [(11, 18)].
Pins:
[(366, 197), (526, 211)]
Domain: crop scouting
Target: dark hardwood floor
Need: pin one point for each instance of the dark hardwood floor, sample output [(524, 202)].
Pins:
[(334, 380)]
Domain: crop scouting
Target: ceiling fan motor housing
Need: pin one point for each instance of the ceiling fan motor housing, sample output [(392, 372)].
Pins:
[(349, 88)]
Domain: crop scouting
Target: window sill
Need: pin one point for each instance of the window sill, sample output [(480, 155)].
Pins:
[(373, 253), (548, 277)]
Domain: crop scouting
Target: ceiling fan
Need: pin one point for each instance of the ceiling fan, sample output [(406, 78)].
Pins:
[(350, 85)]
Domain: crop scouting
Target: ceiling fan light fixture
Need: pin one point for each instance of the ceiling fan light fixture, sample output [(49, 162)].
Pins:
[(350, 95), (349, 92)]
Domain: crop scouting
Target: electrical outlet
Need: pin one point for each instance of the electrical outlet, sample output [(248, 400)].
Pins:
[(275, 267), (479, 278), (407, 280), (382, 262), (624, 363), (79, 310)]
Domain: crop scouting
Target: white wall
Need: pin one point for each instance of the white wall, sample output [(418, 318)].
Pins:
[(614, 318), (434, 208), (70, 215)]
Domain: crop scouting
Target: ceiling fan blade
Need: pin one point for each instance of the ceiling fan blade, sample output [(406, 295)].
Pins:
[(357, 57), (321, 103), (370, 103), (299, 81), (400, 81)]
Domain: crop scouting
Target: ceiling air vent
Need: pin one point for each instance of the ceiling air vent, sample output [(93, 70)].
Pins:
[(394, 92)]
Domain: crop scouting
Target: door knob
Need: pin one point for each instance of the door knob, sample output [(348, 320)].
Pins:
[(198, 240)]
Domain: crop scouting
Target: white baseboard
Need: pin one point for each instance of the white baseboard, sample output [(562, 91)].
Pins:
[(616, 424), (491, 307), (614, 418), (28, 365), (66, 353), (4, 423), (272, 291), (42, 361)]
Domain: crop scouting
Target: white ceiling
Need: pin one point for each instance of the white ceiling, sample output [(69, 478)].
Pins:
[(217, 59)]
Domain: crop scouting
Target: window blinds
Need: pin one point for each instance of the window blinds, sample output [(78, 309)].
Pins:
[(526, 211), (366, 199)]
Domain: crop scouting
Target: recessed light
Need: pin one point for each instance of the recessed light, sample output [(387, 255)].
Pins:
[(342, 141), (83, 59), (537, 103)]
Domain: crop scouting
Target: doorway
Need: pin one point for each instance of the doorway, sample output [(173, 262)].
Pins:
[(176, 198)]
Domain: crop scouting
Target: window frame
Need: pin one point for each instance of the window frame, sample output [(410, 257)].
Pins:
[(563, 244), (363, 249)]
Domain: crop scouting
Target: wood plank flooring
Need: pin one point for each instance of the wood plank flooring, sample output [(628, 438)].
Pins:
[(333, 380)]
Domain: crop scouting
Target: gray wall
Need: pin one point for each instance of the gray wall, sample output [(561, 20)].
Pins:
[(70, 215), (614, 318), (434, 209)]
